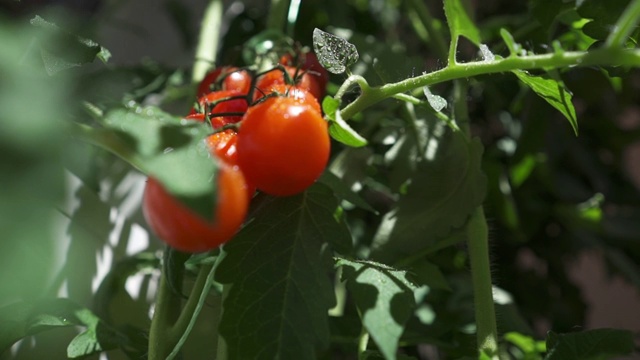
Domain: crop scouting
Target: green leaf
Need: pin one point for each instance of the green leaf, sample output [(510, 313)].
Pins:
[(334, 53), (459, 21), (553, 92), (604, 15), (598, 344), (330, 106), (28, 318), (385, 299), (527, 344), (275, 271), (447, 186), (62, 50), (342, 191), (164, 147), (342, 132)]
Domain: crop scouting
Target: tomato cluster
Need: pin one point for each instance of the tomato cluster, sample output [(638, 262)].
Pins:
[(268, 134)]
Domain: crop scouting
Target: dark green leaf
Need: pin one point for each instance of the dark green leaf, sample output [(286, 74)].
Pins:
[(163, 147), (334, 53), (598, 344), (342, 191), (459, 21), (604, 15), (385, 299), (447, 186), (553, 92), (62, 50), (342, 132), (275, 271)]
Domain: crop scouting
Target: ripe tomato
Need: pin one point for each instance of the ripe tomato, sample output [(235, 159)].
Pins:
[(226, 106), (295, 92), (308, 61), (283, 146), (301, 78), (232, 79), (186, 231), (223, 145)]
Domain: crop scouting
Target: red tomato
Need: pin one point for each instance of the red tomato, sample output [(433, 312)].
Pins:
[(232, 79), (308, 61), (223, 145), (283, 146), (297, 93), (301, 79), (227, 106), (186, 231)]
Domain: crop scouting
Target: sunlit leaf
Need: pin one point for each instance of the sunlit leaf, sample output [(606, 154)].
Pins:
[(553, 92), (447, 186), (460, 24), (385, 300), (165, 147), (275, 271)]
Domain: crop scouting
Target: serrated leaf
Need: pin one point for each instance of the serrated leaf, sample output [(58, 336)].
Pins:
[(161, 146), (447, 186), (63, 50), (595, 344), (28, 318), (342, 132), (342, 191), (275, 271), (552, 92), (385, 299), (459, 21), (334, 53)]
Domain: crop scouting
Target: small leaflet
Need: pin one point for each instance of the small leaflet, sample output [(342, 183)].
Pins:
[(334, 53), (437, 102)]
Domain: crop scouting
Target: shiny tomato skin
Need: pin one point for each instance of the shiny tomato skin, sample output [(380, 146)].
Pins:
[(228, 106), (283, 146), (223, 145), (295, 92), (301, 78), (232, 79), (308, 61), (186, 231)]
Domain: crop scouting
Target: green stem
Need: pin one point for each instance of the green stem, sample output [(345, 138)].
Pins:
[(604, 56), (292, 16), (478, 245), (625, 25), (363, 341), (278, 13), (207, 49), (182, 328), (163, 317)]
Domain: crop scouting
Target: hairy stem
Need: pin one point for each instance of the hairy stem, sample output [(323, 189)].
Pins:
[(604, 56), (478, 249), (163, 317), (478, 245), (207, 49)]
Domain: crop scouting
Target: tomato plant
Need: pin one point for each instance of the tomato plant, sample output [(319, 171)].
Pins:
[(283, 145), (439, 180)]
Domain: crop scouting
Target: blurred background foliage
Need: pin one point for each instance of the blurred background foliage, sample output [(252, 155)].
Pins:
[(68, 209)]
